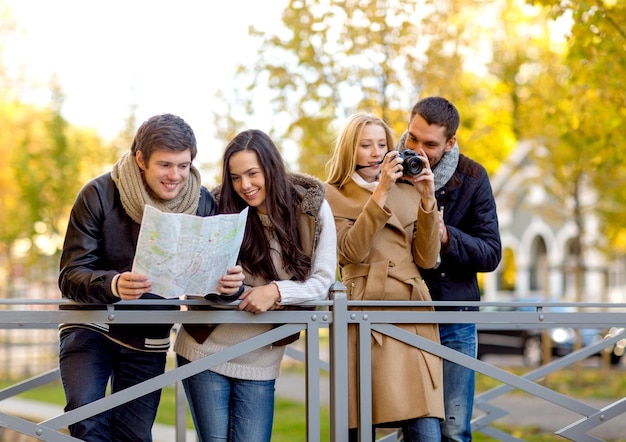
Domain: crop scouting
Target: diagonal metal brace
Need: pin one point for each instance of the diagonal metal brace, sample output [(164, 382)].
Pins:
[(578, 430)]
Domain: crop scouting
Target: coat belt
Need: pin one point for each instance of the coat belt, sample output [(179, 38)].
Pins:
[(378, 272)]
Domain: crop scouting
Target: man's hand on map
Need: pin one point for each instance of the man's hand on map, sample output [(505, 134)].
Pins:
[(131, 286), (259, 299), (230, 283)]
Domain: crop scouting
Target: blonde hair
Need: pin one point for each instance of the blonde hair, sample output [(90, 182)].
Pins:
[(342, 163)]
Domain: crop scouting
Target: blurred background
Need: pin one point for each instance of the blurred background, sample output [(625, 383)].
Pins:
[(539, 85)]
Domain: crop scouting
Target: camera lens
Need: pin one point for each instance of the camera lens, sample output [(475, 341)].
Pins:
[(413, 166), (411, 163)]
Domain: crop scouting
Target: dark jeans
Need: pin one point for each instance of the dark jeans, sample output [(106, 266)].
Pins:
[(424, 429), (458, 383), (87, 361)]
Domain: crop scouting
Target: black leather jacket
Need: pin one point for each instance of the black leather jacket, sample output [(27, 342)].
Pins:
[(474, 236), (100, 243)]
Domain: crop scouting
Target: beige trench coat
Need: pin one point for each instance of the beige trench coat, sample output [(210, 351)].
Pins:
[(378, 252)]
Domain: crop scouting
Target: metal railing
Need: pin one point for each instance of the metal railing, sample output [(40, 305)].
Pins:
[(336, 315)]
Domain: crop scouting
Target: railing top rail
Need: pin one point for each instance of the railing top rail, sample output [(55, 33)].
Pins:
[(142, 302), (470, 304)]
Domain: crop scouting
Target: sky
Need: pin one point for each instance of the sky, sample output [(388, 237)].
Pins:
[(163, 56)]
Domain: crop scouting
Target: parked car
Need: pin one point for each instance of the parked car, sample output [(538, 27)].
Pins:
[(528, 343), (619, 349)]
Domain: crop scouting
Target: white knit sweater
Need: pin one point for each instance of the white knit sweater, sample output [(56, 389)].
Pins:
[(264, 363)]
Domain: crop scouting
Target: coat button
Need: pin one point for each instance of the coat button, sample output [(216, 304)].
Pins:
[(443, 274)]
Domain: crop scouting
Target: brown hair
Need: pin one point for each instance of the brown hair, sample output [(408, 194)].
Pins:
[(164, 132)]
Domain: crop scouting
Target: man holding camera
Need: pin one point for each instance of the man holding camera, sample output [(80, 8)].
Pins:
[(470, 243)]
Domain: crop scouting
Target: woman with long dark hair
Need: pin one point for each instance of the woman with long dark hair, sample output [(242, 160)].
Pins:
[(289, 256)]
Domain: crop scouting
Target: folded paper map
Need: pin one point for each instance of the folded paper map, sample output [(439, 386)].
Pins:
[(185, 254)]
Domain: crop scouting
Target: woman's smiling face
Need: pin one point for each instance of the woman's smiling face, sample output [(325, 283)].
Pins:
[(248, 179)]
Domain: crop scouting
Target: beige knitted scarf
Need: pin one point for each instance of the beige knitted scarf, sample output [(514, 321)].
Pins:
[(134, 195)]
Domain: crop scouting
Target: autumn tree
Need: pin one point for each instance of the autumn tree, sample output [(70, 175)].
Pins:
[(584, 108), (45, 162), (584, 103), (332, 58), (124, 139), (473, 63), (11, 210), (50, 162)]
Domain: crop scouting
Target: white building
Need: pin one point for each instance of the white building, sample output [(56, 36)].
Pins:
[(537, 239)]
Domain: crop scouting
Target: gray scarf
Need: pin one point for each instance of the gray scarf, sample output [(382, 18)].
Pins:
[(134, 195), (445, 168)]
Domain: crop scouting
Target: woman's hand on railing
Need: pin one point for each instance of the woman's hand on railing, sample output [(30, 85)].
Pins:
[(260, 299)]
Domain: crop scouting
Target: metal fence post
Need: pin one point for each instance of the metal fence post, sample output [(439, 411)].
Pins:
[(338, 330)]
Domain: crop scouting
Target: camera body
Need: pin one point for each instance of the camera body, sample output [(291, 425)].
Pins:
[(412, 163)]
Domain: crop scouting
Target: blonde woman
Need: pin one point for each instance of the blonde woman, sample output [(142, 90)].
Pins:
[(387, 225)]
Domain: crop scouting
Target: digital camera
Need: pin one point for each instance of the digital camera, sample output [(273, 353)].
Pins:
[(412, 163)]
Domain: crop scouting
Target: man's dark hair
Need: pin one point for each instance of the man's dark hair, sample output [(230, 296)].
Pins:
[(164, 132), (439, 111)]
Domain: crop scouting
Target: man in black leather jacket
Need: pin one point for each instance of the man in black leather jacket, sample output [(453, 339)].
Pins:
[(95, 268), (470, 243)]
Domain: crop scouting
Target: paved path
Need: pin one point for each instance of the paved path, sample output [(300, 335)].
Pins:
[(41, 410), (530, 411)]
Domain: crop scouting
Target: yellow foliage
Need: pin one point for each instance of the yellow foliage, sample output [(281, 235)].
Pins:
[(46, 163)]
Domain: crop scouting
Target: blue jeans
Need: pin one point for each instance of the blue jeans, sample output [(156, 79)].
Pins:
[(228, 409), (458, 382), (87, 360), (425, 429)]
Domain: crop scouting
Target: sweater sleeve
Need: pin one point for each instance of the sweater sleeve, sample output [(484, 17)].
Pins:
[(317, 286)]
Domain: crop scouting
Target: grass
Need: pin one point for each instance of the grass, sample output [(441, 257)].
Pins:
[(528, 434), (593, 383), (290, 416), (289, 421)]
